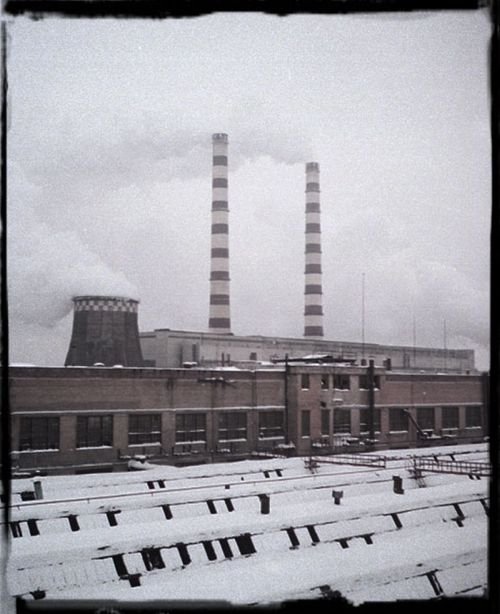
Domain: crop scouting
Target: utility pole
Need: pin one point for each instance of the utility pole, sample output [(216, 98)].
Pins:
[(414, 342), (363, 316), (444, 343), (371, 398), (286, 399)]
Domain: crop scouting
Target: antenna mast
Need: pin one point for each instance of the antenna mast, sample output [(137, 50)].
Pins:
[(363, 315), (444, 343)]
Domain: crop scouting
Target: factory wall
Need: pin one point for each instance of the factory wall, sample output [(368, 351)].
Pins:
[(170, 348), (180, 416)]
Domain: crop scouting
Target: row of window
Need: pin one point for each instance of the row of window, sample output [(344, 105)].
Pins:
[(398, 419), (42, 433), (341, 381)]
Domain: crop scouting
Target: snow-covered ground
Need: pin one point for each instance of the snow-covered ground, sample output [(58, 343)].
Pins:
[(199, 533)]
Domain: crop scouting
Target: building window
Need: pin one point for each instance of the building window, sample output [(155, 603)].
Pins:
[(270, 424), (341, 381), (325, 382), (449, 417), (364, 382), (253, 355), (398, 419), (143, 428), (473, 417), (306, 423), (39, 434), (325, 421), (93, 431), (342, 421), (364, 420), (304, 381), (425, 418), (190, 427), (232, 425)]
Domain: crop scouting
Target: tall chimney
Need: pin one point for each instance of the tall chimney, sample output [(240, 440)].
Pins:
[(313, 290), (219, 317), (105, 330)]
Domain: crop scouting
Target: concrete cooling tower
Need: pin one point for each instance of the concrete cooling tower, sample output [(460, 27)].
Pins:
[(105, 330)]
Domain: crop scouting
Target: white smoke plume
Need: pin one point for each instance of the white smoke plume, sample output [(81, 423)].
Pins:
[(46, 267)]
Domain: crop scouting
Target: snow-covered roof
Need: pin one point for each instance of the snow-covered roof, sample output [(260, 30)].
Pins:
[(202, 532)]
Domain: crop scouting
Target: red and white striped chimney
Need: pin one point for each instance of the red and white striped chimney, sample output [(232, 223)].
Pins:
[(219, 316), (313, 320)]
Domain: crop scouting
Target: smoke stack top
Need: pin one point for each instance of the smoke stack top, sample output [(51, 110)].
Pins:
[(105, 330)]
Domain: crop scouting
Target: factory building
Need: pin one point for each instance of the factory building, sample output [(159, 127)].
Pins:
[(191, 397), (89, 418), (164, 347)]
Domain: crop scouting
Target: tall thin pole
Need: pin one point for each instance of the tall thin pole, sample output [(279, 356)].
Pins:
[(444, 343), (363, 315), (414, 342)]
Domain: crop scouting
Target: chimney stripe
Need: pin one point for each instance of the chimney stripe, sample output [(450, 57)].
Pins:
[(313, 307), (313, 331), (219, 300), (313, 248), (313, 289), (220, 252), (219, 323), (313, 268), (219, 275), (220, 229), (313, 310), (219, 205), (219, 182)]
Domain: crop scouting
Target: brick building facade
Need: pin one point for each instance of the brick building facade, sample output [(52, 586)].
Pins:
[(86, 419)]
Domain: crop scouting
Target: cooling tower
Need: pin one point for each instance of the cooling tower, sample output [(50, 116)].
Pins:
[(219, 320), (313, 313), (105, 330)]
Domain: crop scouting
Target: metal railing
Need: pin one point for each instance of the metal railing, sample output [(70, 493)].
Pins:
[(427, 463), (366, 460)]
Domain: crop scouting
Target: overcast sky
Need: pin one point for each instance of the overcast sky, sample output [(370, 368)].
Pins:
[(109, 171)]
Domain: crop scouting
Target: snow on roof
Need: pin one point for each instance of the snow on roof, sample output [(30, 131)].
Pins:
[(200, 532)]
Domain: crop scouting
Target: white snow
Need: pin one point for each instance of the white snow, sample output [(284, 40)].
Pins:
[(357, 547)]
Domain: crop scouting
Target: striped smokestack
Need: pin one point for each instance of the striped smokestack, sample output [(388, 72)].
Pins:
[(105, 330), (219, 317), (313, 320)]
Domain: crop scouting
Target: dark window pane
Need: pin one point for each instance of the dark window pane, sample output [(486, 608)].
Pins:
[(341, 381), (473, 416), (144, 428), (342, 421), (93, 431), (232, 425), (306, 423), (325, 421), (398, 419), (190, 427), (364, 420), (425, 418), (270, 424), (39, 434), (450, 417)]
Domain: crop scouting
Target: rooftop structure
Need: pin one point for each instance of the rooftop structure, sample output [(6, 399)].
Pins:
[(300, 529)]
